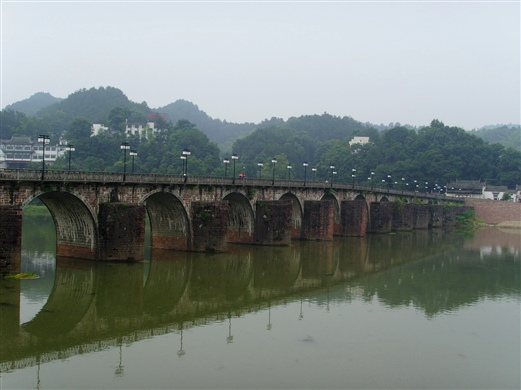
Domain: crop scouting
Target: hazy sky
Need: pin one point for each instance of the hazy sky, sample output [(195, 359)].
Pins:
[(378, 62)]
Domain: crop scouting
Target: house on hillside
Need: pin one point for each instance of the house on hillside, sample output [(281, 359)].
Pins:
[(495, 192), (466, 188)]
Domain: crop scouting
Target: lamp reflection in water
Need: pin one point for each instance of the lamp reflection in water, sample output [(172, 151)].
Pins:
[(181, 351), (119, 369), (269, 326), (301, 314), (229, 339)]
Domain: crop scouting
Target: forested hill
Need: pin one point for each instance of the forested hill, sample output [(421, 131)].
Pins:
[(55, 116), (35, 103)]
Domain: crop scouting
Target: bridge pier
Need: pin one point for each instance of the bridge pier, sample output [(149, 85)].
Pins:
[(121, 231), (403, 216), (210, 224), (381, 217), (10, 239), (436, 216), (421, 216), (353, 216), (273, 223), (318, 221)]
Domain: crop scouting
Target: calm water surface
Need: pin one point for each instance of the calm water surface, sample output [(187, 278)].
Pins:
[(426, 309)]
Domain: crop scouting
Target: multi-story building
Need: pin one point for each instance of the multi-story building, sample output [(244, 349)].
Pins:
[(20, 151)]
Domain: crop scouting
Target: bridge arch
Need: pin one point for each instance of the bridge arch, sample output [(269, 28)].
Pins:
[(331, 197), (296, 213), (75, 223), (241, 218), (170, 225)]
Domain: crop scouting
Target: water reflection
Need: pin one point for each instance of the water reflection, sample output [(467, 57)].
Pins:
[(91, 306)]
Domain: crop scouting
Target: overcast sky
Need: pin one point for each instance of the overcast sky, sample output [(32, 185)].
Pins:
[(378, 62)]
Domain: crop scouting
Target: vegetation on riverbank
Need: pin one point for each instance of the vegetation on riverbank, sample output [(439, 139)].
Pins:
[(468, 221)]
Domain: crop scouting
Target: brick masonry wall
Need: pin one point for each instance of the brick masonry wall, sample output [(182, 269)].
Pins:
[(495, 212)]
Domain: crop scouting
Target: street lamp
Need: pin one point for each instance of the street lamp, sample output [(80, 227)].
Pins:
[(314, 170), (353, 176), (133, 153), (234, 158), (333, 178), (226, 162), (260, 164), (124, 146), (289, 171), (390, 181), (305, 165), (332, 167), (70, 149), (183, 159), (273, 162), (44, 139), (371, 178)]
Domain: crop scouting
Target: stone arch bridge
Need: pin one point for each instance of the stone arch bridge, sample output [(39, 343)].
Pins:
[(101, 216)]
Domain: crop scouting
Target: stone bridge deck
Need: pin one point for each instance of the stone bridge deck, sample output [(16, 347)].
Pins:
[(100, 216)]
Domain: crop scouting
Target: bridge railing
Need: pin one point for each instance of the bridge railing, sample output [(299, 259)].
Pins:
[(18, 175)]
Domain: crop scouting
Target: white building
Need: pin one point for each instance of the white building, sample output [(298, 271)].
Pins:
[(359, 140)]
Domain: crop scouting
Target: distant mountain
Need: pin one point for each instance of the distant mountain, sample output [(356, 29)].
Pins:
[(34, 104), (506, 135)]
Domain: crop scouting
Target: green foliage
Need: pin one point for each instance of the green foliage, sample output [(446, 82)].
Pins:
[(468, 221)]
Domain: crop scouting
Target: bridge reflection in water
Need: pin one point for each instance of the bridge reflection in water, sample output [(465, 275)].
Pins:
[(94, 305)]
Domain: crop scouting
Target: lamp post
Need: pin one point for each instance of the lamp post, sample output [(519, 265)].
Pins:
[(371, 178), (314, 170), (332, 167), (234, 158), (390, 181), (289, 171), (305, 165), (133, 153), (226, 162), (124, 146), (273, 162), (186, 153), (333, 178), (183, 159), (353, 175), (70, 149), (44, 139), (260, 164)]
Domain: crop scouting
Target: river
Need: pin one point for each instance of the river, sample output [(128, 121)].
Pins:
[(431, 309)]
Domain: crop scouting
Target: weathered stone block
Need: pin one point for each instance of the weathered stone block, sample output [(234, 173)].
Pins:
[(210, 223), (421, 216), (403, 216), (10, 239), (353, 215), (436, 216), (381, 217), (122, 232), (273, 223), (318, 221)]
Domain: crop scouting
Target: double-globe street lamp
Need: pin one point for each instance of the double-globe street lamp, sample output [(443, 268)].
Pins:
[(235, 157), (133, 153), (289, 171), (260, 164), (273, 162), (305, 165), (44, 139), (70, 149), (184, 159), (124, 146), (226, 162)]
